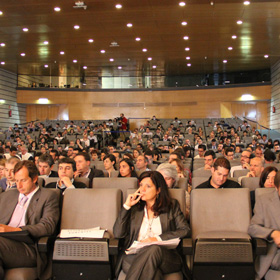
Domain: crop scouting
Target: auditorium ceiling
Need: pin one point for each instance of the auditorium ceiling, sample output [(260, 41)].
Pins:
[(174, 39)]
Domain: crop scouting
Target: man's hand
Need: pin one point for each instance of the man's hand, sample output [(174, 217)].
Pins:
[(250, 174), (77, 173), (66, 181), (246, 165), (5, 228), (207, 167), (276, 237)]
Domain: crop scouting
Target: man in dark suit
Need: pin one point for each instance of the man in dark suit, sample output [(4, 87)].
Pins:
[(27, 208), (45, 165), (266, 224), (83, 168), (66, 170)]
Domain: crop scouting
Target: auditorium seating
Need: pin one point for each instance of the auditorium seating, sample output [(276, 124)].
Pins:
[(251, 183)]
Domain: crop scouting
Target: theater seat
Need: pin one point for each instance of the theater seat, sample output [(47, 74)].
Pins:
[(251, 183)]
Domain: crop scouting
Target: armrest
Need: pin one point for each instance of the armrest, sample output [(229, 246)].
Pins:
[(44, 243), (187, 246), (260, 246), (113, 246)]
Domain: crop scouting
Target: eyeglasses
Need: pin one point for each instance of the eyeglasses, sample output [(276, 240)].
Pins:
[(245, 157)]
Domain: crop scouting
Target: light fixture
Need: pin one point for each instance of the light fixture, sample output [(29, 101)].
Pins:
[(46, 65), (90, 40), (119, 67), (186, 38), (84, 67), (239, 22), (76, 27), (2, 45), (75, 61), (43, 100), (46, 42), (246, 3), (2, 101), (182, 4), (149, 58), (230, 48), (1, 13), (188, 58), (247, 97), (102, 51), (189, 65), (187, 49), (62, 52), (3, 62), (212, 3), (224, 61), (57, 9), (118, 6), (233, 36), (129, 25), (137, 39), (22, 54), (111, 59), (25, 29), (184, 23), (154, 66), (144, 50), (266, 56)]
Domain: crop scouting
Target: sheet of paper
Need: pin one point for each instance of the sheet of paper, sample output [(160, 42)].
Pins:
[(86, 233), (136, 245)]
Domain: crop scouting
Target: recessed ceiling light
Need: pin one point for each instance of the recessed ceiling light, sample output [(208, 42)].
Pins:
[(186, 38), (90, 40), (188, 58), (212, 3), (129, 25), (246, 3), (76, 27), (25, 29), (144, 50), (84, 67), (119, 67), (46, 42), (102, 51), (230, 48), (233, 36), (187, 49), (62, 52), (239, 22), (182, 4), (154, 66), (75, 61), (184, 23), (224, 61), (57, 9), (189, 65), (137, 39), (1, 13), (266, 56), (46, 65), (3, 62), (22, 54), (118, 6), (111, 59), (149, 58), (2, 45)]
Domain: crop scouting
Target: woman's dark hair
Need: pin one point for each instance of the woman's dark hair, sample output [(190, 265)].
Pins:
[(265, 173), (163, 200), (131, 167), (111, 158), (129, 156)]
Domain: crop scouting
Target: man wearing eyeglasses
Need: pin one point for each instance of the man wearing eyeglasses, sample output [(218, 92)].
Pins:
[(245, 162)]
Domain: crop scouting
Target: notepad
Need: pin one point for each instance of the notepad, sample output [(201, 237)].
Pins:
[(82, 233), (137, 245)]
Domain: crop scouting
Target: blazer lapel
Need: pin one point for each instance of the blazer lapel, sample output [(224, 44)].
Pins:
[(31, 210), (164, 222), (136, 224), (275, 208), (10, 207)]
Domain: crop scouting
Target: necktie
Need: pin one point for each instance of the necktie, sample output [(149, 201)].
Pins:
[(18, 213)]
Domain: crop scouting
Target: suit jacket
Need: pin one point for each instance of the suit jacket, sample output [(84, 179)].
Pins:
[(41, 218), (266, 219), (94, 173), (128, 223), (53, 174), (3, 184)]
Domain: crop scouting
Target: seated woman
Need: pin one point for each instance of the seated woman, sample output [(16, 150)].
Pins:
[(109, 163), (179, 167), (266, 181), (135, 154), (150, 215), (127, 168)]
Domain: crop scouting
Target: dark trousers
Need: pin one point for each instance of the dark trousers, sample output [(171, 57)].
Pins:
[(15, 254), (151, 263)]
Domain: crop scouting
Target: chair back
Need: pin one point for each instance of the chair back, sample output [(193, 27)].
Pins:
[(182, 183), (180, 195), (251, 183), (240, 173), (51, 180), (261, 191), (88, 208), (83, 180), (202, 173), (223, 210), (196, 181)]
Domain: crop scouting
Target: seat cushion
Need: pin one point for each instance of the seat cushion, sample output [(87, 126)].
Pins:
[(26, 273)]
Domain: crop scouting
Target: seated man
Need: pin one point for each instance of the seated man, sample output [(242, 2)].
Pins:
[(141, 163), (209, 159), (229, 153), (24, 153), (245, 162), (83, 168), (219, 178), (12, 153), (66, 169), (266, 224), (45, 165), (28, 208), (201, 151), (9, 181)]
